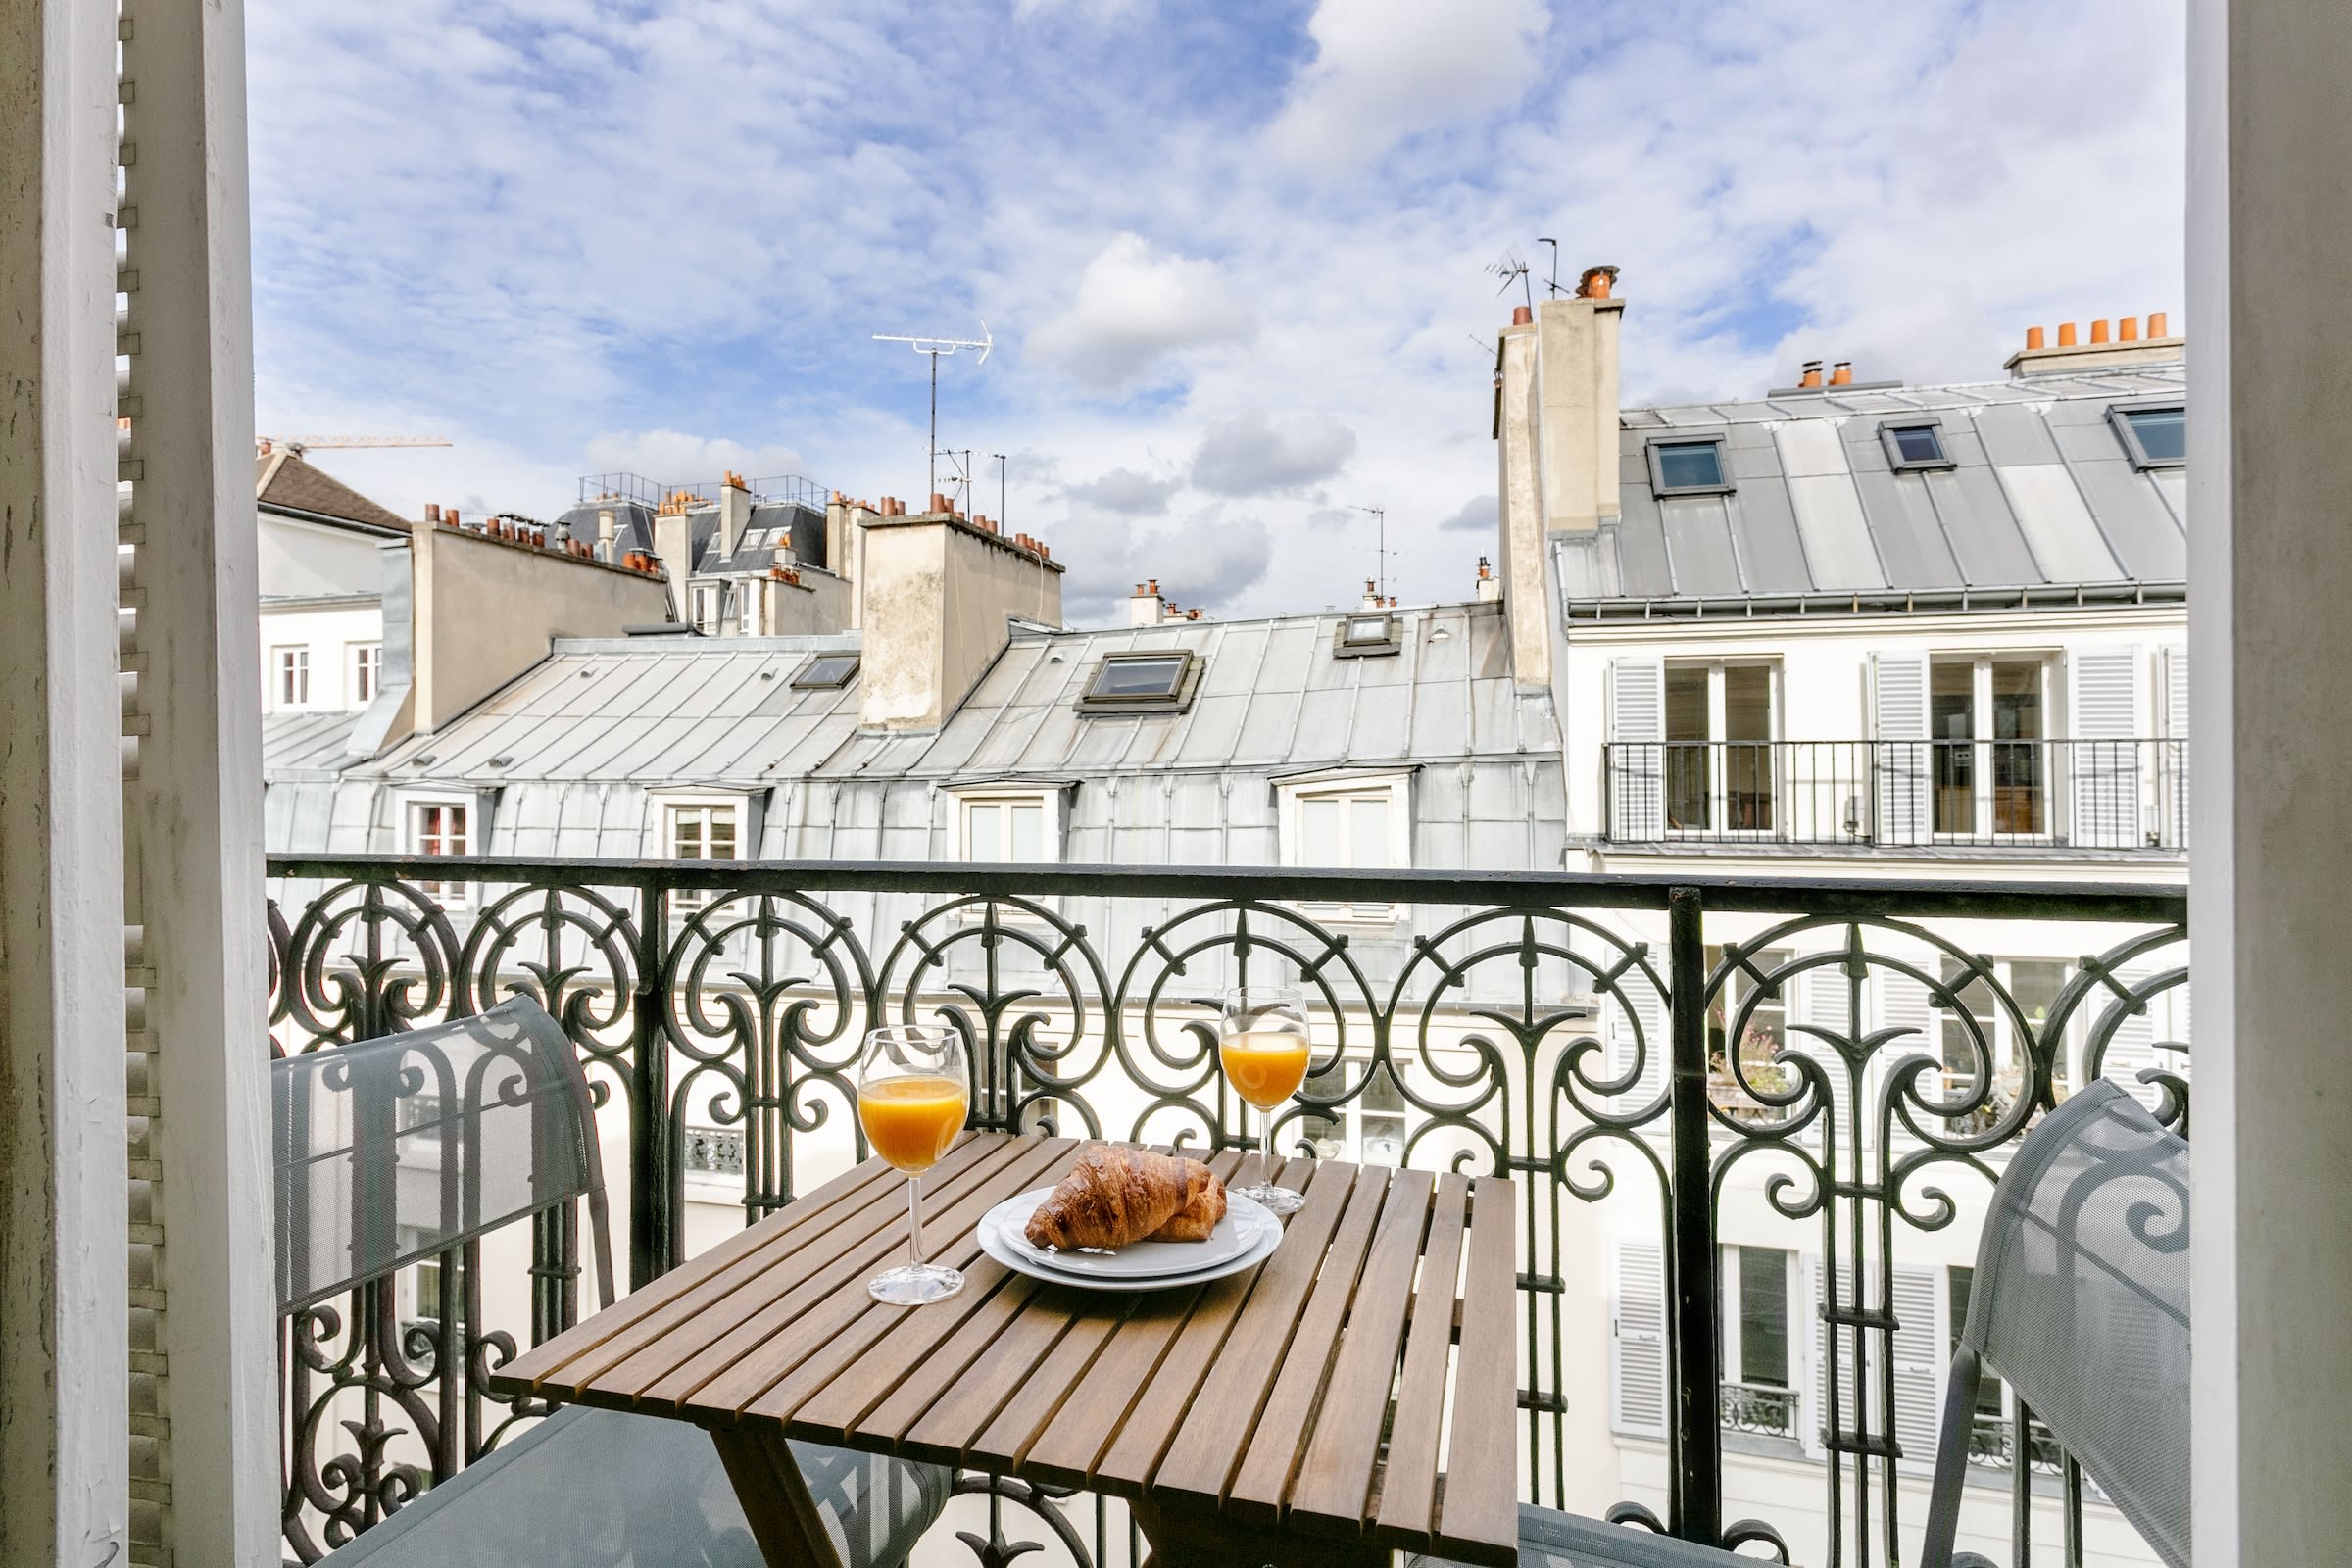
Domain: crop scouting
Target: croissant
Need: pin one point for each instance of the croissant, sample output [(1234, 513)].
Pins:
[(1113, 1196)]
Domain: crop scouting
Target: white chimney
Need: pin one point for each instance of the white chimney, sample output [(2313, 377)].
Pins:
[(1144, 607)]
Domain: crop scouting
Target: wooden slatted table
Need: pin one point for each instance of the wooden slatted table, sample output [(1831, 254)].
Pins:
[(1241, 1420)]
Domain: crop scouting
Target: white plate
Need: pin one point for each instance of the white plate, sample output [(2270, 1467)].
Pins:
[(1244, 1231), (992, 1238)]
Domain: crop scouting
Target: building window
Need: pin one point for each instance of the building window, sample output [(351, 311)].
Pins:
[(1719, 759), (1914, 446), (1757, 1394), (713, 1151), (293, 665), (1687, 468), (366, 671), (710, 607), (825, 671), (2034, 985), (1993, 1432), (1367, 636), (1006, 831), (1986, 725), (2155, 438), (1355, 824), (1762, 1022), (440, 827), (1371, 1129), (432, 1286), (700, 831), (1142, 683)]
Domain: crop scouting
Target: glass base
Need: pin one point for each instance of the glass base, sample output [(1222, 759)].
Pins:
[(1277, 1199), (914, 1284)]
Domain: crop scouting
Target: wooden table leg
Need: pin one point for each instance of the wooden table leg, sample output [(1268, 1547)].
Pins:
[(1180, 1537), (783, 1517)]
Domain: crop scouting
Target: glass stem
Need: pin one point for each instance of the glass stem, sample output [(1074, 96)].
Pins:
[(1266, 1147), (914, 1222)]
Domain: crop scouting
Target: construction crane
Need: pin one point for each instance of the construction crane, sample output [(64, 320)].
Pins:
[(299, 443)]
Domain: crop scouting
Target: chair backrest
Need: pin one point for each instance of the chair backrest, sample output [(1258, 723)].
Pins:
[(2081, 1302), (392, 1150)]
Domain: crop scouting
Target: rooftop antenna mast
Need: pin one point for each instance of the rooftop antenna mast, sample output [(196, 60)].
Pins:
[(935, 347), (1511, 269), (1001, 461), (1554, 285), (1380, 515)]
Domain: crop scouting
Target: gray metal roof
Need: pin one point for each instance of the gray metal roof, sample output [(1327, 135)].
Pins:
[(1271, 698), (305, 743), (2040, 492)]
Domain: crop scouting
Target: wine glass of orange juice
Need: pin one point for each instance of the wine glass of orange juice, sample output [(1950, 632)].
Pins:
[(914, 1088), (1262, 1045)]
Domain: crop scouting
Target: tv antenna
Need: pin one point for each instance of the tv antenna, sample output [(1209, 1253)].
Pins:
[(935, 347), (1511, 269), (1001, 461), (1554, 285), (1380, 558), (960, 458)]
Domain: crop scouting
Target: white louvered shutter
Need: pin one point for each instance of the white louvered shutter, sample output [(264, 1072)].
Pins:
[(1920, 1336), (1904, 1004), (1640, 1002), (1813, 1425), (2132, 1045), (2103, 698), (1822, 1000), (1899, 705), (2173, 755), (1638, 1362), (1638, 767)]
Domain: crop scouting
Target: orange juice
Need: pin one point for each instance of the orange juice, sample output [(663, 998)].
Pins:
[(911, 1121), (1265, 1067)]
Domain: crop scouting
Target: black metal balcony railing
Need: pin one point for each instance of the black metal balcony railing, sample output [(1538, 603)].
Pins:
[(1549, 1027), (2010, 793)]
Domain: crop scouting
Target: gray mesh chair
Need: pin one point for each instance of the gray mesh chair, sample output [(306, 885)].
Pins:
[(393, 1151), (2081, 1302)]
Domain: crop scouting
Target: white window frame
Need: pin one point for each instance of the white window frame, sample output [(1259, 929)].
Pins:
[(1980, 721), (668, 804), (1395, 788), (962, 800), (290, 676), (364, 671), (1718, 784), (1735, 1324), (1356, 1119), (706, 606), (413, 807)]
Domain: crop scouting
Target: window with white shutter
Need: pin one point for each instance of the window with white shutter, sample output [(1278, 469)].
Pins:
[(1899, 714), (1920, 1336), (1903, 1004), (2103, 701), (1636, 754), (1637, 1336), (1637, 1002), (1824, 1002), (2131, 1048)]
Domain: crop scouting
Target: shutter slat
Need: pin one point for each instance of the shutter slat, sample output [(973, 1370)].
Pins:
[(1920, 1338), (1639, 1364), (1899, 693), (1637, 759), (2175, 763), (2104, 755)]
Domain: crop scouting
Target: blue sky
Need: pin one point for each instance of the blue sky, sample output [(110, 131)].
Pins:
[(1232, 255)]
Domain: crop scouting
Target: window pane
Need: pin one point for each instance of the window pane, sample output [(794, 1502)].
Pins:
[(1028, 824), (1368, 834), (1764, 1315), (1921, 444), (1139, 677), (454, 817), (722, 834), (1319, 834), (1687, 703), (685, 833), (1747, 703), (1689, 465), (1368, 629), (2163, 432), (2017, 700), (984, 839)]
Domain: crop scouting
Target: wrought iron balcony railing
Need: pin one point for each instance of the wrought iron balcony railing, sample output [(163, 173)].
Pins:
[(2052, 795), (1551, 1027)]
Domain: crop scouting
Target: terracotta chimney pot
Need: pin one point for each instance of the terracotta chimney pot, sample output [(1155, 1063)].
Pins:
[(1521, 316), (1811, 376), (432, 511), (452, 515), (1596, 282), (2034, 337), (2099, 331), (2156, 324), (1156, 586), (2066, 334), (1843, 374)]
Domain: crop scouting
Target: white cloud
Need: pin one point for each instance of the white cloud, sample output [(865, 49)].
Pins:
[(1253, 454), (1209, 560), (1387, 68), (1477, 515), (672, 456), (1133, 306), (1126, 492)]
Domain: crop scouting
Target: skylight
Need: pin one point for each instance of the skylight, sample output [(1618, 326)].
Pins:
[(1687, 468), (1142, 682), (2156, 438), (1362, 635), (1914, 446), (825, 671)]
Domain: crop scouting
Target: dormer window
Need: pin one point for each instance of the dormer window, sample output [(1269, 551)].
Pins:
[(1687, 468), (1143, 683), (1367, 636), (2155, 437), (826, 672), (1914, 446)]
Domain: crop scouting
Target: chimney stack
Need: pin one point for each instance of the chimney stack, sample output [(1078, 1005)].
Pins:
[(2113, 343), (1490, 586)]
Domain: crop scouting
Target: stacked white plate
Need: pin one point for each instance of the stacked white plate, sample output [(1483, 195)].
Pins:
[(1243, 1239)]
